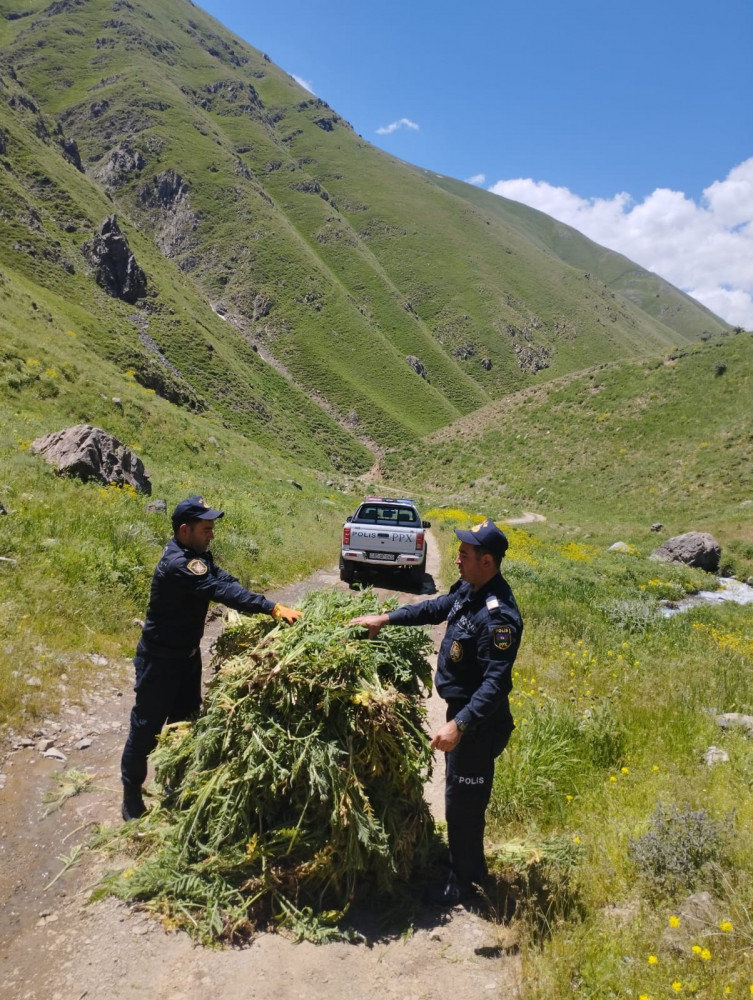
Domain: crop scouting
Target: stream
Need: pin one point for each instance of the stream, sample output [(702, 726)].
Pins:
[(730, 589)]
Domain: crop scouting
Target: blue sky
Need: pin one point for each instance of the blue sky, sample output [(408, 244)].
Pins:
[(632, 122)]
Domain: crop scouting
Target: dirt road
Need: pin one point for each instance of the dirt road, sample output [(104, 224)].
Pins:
[(55, 946)]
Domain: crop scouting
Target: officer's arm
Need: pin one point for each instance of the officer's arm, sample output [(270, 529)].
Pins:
[(496, 651), (425, 612), (218, 585)]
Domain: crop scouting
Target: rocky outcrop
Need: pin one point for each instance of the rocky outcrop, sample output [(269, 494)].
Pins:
[(71, 153), (119, 165), (115, 267), (417, 365), (168, 195), (694, 548), (90, 453), (165, 190)]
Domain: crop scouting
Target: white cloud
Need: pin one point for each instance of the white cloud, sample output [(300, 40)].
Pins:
[(306, 84), (476, 179), (403, 123), (705, 247)]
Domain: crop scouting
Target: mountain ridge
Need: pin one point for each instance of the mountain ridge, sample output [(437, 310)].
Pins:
[(402, 299)]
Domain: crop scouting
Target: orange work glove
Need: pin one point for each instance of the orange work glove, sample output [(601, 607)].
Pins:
[(281, 613)]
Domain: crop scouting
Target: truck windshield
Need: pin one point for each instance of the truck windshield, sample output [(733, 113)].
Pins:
[(388, 515)]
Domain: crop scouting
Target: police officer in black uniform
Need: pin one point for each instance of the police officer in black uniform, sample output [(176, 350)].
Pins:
[(474, 676), (168, 659)]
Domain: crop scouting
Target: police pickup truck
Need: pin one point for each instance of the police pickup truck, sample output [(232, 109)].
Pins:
[(387, 533)]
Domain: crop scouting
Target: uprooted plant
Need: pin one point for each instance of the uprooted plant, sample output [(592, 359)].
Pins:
[(302, 777)]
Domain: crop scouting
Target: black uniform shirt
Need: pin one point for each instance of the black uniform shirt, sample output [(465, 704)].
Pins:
[(184, 583), (475, 660)]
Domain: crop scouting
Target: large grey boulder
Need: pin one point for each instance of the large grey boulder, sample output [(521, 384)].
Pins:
[(90, 453), (694, 548)]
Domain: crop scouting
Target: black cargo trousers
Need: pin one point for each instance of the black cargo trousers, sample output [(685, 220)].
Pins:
[(469, 776), (168, 689)]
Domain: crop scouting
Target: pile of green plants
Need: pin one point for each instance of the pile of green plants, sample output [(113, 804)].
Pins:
[(302, 778)]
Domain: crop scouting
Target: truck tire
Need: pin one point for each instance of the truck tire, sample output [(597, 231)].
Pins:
[(347, 571), (416, 574)]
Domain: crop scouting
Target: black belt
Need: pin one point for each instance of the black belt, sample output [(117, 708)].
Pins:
[(167, 652)]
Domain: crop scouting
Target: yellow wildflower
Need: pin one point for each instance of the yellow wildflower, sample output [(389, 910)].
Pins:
[(705, 955), (652, 959), (726, 926), (676, 986), (674, 921), (696, 949)]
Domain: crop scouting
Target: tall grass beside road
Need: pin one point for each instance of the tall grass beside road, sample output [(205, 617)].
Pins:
[(614, 711)]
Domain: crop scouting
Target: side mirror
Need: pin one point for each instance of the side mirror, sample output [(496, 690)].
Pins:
[(426, 524), (349, 517)]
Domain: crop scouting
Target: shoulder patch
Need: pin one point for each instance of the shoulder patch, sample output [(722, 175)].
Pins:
[(503, 636), (197, 566), (492, 602)]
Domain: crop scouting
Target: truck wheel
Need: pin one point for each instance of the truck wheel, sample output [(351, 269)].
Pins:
[(416, 574), (347, 571)]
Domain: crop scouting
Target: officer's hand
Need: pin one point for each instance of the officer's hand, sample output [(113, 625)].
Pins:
[(371, 622), (281, 613), (446, 738)]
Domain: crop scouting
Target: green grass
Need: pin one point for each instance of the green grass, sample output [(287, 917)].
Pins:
[(610, 450)]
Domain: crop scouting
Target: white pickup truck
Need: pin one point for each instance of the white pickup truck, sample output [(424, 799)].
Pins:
[(387, 533)]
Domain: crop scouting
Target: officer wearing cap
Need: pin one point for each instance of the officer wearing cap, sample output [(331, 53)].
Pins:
[(168, 659), (474, 676)]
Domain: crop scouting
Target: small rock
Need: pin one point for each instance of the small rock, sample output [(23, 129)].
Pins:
[(619, 547), (83, 744), (45, 745), (731, 719), (657, 526), (34, 682), (54, 754), (715, 755), (97, 660)]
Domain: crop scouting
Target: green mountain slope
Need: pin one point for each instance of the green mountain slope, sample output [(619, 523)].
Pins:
[(396, 300), (631, 442)]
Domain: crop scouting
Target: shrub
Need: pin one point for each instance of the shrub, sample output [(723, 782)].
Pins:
[(680, 850)]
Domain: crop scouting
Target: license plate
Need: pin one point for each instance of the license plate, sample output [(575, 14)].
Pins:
[(384, 556)]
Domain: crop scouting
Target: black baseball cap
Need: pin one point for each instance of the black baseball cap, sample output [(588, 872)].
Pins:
[(194, 509), (486, 534)]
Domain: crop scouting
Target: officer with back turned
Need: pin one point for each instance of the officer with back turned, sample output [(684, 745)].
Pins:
[(474, 676), (168, 659)]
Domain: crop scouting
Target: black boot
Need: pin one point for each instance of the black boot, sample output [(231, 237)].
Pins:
[(133, 804), (450, 892)]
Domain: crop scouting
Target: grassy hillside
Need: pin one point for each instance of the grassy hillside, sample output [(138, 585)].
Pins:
[(631, 443), (244, 197)]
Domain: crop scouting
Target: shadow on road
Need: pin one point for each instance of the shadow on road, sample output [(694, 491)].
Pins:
[(394, 582)]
